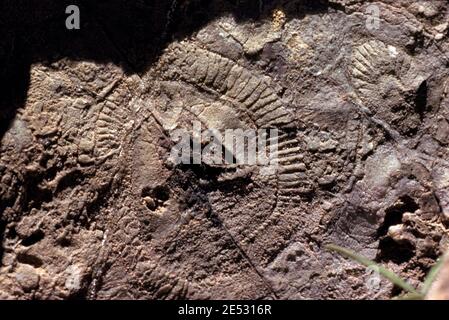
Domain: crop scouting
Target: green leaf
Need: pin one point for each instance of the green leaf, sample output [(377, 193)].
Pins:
[(430, 278), (391, 276)]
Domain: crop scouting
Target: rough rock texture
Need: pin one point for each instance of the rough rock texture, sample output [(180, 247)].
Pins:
[(92, 208)]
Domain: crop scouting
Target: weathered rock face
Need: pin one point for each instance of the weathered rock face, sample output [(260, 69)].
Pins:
[(92, 207)]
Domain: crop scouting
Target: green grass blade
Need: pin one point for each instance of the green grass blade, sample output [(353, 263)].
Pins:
[(391, 276), (430, 278), (410, 296)]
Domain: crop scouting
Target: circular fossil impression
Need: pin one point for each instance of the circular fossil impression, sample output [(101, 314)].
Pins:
[(386, 81)]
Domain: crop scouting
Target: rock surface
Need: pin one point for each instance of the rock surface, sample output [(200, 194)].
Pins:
[(92, 208)]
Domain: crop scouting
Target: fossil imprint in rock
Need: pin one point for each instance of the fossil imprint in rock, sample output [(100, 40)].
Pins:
[(223, 94), (387, 82), (159, 230)]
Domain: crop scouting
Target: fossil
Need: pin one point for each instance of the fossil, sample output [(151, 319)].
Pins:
[(249, 93), (384, 76), (91, 205)]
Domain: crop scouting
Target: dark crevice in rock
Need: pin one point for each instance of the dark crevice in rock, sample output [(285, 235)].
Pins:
[(34, 238), (29, 259), (155, 197), (2, 231), (393, 215), (421, 99), (390, 250)]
